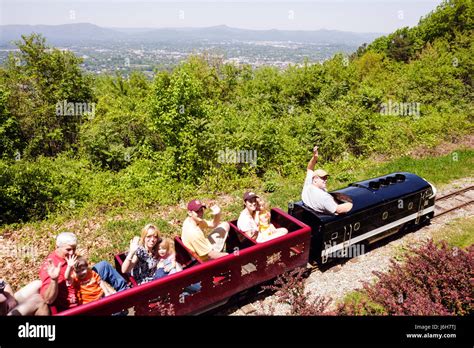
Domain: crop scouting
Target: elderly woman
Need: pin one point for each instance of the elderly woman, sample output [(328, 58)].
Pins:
[(143, 256)]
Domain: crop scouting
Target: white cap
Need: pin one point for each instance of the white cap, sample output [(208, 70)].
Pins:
[(320, 173)]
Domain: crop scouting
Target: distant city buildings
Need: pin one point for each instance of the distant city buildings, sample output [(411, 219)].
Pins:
[(105, 58)]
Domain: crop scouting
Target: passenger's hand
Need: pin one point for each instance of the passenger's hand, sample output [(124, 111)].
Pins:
[(134, 245), (215, 209), (341, 197), (52, 270), (315, 151), (71, 260)]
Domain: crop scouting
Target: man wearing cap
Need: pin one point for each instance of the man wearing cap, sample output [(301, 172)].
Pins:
[(254, 220), (314, 193), (194, 226)]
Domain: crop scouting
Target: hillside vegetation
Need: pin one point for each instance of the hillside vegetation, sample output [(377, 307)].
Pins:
[(141, 144)]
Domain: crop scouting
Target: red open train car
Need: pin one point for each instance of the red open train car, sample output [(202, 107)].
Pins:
[(247, 265)]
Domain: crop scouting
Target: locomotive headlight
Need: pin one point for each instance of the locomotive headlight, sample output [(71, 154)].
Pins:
[(433, 189)]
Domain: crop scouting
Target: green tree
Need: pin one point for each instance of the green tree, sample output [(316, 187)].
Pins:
[(37, 78), (121, 131), (181, 104), (10, 135)]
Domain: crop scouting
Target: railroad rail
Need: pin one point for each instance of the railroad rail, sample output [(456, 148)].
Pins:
[(453, 195)]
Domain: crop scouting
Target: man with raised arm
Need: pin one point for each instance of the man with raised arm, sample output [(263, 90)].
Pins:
[(55, 289), (194, 227), (314, 193)]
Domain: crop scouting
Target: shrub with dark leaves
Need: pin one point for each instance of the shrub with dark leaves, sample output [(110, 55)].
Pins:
[(434, 280), (290, 290)]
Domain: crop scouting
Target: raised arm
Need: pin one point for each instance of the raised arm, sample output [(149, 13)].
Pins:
[(216, 211), (52, 290), (312, 162), (132, 258)]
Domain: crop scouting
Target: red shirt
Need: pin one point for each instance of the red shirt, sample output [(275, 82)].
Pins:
[(67, 296)]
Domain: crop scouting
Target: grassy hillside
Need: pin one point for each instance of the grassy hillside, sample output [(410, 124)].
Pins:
[(103, 155)]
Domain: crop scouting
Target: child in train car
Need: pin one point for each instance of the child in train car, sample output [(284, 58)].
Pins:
[(266, 230), (167, 263), (90, 287)]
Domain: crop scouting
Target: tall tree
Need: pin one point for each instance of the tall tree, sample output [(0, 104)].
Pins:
[(39, 79)]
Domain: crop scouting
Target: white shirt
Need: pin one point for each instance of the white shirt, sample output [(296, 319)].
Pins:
[(316, 198), (246, 223)]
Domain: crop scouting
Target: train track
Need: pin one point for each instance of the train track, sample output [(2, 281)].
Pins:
[(459, 196)]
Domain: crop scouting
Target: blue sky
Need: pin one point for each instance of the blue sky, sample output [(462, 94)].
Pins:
[(349, 15)]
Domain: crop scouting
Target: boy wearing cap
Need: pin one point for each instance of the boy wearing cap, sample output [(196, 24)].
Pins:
[(314, 193), (194, 226)]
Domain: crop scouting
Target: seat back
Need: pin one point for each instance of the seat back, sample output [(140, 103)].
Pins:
[(119, 259), (185, 256), (242, 238)]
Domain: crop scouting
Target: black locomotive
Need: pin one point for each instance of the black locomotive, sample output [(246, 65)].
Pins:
[(381, 206)]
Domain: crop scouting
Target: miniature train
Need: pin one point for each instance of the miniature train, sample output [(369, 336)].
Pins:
[(381, 206)]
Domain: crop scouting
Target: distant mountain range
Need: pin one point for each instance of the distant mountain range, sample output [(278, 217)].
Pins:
[(81, 33)]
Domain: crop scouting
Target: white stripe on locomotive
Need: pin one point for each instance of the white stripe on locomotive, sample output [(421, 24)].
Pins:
[(369, 234)]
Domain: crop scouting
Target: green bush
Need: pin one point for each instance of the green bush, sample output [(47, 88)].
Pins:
[(32, 190)]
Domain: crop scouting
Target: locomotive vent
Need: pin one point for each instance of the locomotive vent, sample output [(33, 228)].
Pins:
[(389, 180)]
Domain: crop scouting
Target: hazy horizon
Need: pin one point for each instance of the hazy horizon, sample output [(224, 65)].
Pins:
[(360, 16), (203, 27)]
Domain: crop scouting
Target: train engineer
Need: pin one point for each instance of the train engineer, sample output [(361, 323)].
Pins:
[(314, 193)]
